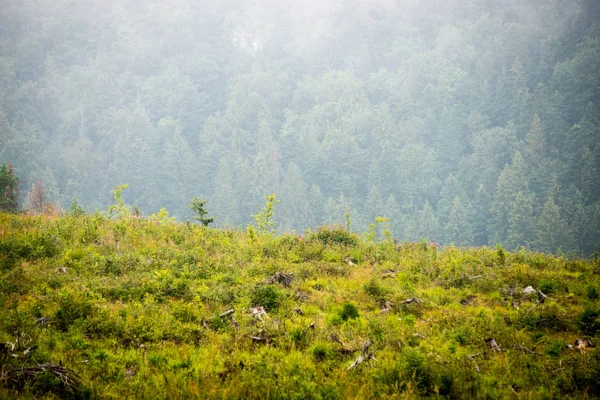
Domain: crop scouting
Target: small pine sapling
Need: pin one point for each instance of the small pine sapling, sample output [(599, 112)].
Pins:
[(197, 206), (264, 219)]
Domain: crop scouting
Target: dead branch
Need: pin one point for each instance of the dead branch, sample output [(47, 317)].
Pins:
[(525, 349), (344, 349), (226, 313), (387, 307), (259, 312), (18, 377), (365, 355), (411, 300), (491, 342), (311, 326), (472, 358), (281, 277)]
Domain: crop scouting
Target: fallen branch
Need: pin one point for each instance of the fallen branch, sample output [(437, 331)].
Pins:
[(259, 312), (311, 326), (491, 342), (472, 358), (281, 277), (522, 347), (365, 355), (412, 300), (19, 377), (227, 313), (344, 349)]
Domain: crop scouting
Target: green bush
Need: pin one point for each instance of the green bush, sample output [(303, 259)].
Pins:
[(349, 311), (70, 310), (267, 296), (335, 235), (592, 292), (588, 320)]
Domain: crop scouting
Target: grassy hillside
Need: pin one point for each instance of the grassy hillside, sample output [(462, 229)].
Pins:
[(132, 308)]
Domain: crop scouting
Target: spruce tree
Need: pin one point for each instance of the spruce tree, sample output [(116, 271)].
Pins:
[(552, 230)]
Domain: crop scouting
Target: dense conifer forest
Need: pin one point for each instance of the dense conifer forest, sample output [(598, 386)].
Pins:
[(468, 122)]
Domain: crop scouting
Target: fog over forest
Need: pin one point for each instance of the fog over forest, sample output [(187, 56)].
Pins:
[(469, 122)]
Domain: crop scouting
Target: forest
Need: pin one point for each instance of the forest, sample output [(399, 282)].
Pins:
[(467, 122)]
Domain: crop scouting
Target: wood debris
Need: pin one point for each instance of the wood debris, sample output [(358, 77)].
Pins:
[(130, 372), (344, 349), (226, 313), (387, 307), (364, 356), (472, 358), (258, 313), (282, 278), (525, 349), (491, 342), (582, 344), (388, 273), (311, 326), (43, 321), (412, 300)]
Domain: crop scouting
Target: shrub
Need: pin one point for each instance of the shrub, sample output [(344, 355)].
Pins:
[(334, 235), (592, 292), (71, 310), (588, 321), (349, 311), (267, 296), (548, 286), (374, 289)]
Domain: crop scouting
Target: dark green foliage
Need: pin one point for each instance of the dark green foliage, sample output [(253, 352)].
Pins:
[(197, 206), (76, 210), (592, 292), (349, 311), (267, 296), (511, 153), (9, 189), (334, 235), (589, 320)]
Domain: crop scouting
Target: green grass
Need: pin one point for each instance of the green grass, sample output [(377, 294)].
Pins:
[(133, 308)]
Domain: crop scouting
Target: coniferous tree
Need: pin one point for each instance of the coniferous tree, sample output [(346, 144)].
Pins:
[(552, 230), (9, 189), (458, 229), (294, 201)]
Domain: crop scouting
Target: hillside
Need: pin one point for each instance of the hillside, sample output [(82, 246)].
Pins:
[(471, 122), (139, 308)]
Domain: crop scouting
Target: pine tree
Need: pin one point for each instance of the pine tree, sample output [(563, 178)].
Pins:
[(316, 205), (428, 225), (511, 184), (458, 228), (552, 231), (224, 197), (197, 206), (294, 201), (9, 189), (521, 221)]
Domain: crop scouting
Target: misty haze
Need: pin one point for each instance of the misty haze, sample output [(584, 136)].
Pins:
[(462, 135)]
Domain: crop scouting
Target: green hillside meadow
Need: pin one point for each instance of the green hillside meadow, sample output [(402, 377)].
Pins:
[(93, 307)]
